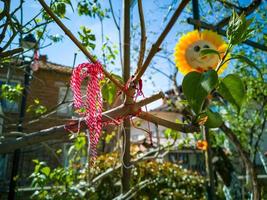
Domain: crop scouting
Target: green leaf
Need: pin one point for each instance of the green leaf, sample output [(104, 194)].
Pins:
[(59, 9), (238, 29), (204, 52), (35, 161), (36, 101), (214, 119), (233, 90), (167, 133), (46, 170), (196, 87), (109, 92), (69, 3)]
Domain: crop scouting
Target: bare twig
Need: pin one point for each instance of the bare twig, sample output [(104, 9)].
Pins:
[(5, 13), (113, 15), (143, 35), (52, 152), (118, 27), (161, 72), (66, 31), (57, 132), (207, 26), (79, 44), (11, 52), (134, 162), (156, 45), (248, 10), (132, 192), (10, 40), (245, 157), (185, 128)]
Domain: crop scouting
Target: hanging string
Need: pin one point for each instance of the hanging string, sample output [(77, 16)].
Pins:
[(139, 92), (35, 65), (91, 110)]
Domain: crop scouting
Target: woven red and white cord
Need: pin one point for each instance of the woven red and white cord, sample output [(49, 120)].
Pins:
[(93, 103), (35, 65)]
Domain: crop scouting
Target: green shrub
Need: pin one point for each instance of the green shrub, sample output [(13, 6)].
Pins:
[(165, 181)]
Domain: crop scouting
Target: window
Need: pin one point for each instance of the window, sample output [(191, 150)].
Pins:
[(65, 109), (9, 106)]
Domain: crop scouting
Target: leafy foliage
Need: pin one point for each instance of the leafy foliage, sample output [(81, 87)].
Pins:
[(59, 8), (91, 9), (36, 108), (11, 93), (197, 86), (87, 37), (214, 119), (109, 89), (232, 89), (238, 29), (110, 51), (168, 181)]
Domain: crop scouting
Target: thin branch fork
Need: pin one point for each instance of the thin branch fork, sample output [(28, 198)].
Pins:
[(248, 10), (59, 132), (185, 128), (79, 44), (245, 157), (143, 35), (222, 32), (11, 52), (156, 45), (150, 154)]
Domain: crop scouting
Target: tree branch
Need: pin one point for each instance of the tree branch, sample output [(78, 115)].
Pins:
[(245, 157), (248, 10), (113, 15), (118, 27), (207, 26), (59, 132), (146, 155), (143, 35), (132, 192), (185, 128), (78, 44), (156, 45), (10, 52)]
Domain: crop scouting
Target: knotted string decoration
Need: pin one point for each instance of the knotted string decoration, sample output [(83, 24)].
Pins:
[(188, 52), (35, 65), (91, 110)]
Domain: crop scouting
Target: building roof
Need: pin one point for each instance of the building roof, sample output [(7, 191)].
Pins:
[(46, 65), (50, 66)]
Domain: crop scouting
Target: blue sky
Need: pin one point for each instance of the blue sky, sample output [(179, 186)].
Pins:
[(63, 52), (155, 11)]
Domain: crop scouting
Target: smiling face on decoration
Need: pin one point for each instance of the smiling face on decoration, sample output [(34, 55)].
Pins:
[(187, 51), (196, 60)]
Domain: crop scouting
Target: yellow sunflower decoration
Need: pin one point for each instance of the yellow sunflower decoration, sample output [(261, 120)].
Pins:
[(187, 52)]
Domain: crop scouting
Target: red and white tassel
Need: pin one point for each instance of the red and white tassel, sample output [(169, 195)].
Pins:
[(93, 104)]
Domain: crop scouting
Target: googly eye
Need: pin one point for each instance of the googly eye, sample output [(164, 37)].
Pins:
[(196, 48), (206, 46)]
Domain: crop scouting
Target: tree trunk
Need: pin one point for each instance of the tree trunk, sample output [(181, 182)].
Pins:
[(126, 158), (245, 157)]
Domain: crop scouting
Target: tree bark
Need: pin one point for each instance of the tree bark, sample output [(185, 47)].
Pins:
[(126, 132), (245, 157)]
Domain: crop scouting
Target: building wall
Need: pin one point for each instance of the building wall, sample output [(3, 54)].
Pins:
[(44, 85)]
